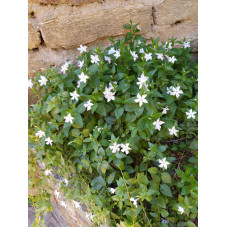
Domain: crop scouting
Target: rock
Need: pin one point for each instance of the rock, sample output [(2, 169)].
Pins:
[(33, 36), (64, 26), (172, 11), (68, 2)]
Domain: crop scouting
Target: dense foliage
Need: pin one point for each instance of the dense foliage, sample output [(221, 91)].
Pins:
[(120, 132)]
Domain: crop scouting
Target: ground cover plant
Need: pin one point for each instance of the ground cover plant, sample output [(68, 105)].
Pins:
[(117, 131)]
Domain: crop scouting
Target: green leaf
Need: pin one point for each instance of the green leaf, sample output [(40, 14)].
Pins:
[(111, 177), (164, 188), (142, 179), (101, 109), (153, 170), (127, 26), (194, 145), (78, 119), (166, 178), (119, 112), (98, 183), (190, 224), (110, 120), (164, 213)]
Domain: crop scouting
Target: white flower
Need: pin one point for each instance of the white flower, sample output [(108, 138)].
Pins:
[(80, 63), (82, 48), (108, 59), (83, 77), (108, 94), (134, 201), (181, 209), (141, 99), (47, 172), (160, 56), (125, 148), (77, 204), (65, 67), (57, 194), (169, 90), (172, 59), (134, 55), (66, 182), (173, 131), (111, 50), (62, 203), (142, 79), (165, 110), (115, 147), (176, 91), (117, 54), (40, 133), (141, 51), (139, 42), (89, 216), (78, 84), (88, 105), (163, 163), (95, 59), (113, 190), (138, 28), (30, 84), (98, 128), (111, 86), (186, 44), (74, 95), (69, 118), (43, 80), (158, 124), (190, 114), (49, 141), (169, 46), (148, 56)]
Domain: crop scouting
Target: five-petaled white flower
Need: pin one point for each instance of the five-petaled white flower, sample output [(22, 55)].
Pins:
[(113, 190), (186, 44), (90, 216), (173, 131), (148, 56), (62, 203), (117, 54), (165, 110), (115, 147), (108, 94), (139, 42), (43, 81), (82, 48), (176, 91), (47, 172), (49, 141), (191, 114), (160, 56), (74, 95), (77, 204), (40, 133), (57, 194), (134, 55), (169, 90), (30, 84), (172, 59), (80, 63), (141, 99), (69, 118), (158, 124), (83, 77), (95, 59), (134, 201), (66, 182), (141, 51), (125, 148), (65, 67), (181, 209), (163, 163), (111, 50), (108, 59), (88, 105), (142, 79)]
